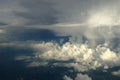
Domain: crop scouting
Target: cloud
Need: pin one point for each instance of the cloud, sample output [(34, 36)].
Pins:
[(79, 76), (74, 51), (83, 11), (2, 24), (82, 77), (67, 78), (116, 73), (2, 31), (3, 36), (82, 34), (7, 10), (80, 57), (108, 56), (42, 13), (87, 12), (45, 12), (94, 36)]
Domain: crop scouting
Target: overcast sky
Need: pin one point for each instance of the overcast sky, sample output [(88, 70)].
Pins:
[(47, 12)]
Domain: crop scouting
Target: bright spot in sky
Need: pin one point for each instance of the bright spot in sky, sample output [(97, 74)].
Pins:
[(97, 18), (2, 31), (103, 19), (100, 20)]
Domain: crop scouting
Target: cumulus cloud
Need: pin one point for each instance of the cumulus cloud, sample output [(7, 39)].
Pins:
[(108, 56), (80, 57), (76, 52), (73, 53), (79, 76)]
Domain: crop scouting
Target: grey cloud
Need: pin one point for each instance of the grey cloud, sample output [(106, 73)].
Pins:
[(78, 11), (37, 46), (38, 12), (63, 11), (29, 12), (2, 24), (7, 12)]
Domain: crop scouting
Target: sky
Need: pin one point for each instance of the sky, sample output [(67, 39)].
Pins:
[(45, 12), (60, 39)]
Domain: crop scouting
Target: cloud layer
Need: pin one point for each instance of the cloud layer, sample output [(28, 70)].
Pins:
[(45, 12)]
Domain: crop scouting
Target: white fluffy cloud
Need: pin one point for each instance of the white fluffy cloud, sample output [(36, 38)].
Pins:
[(79, 76), (109, 55), (79, 56)]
